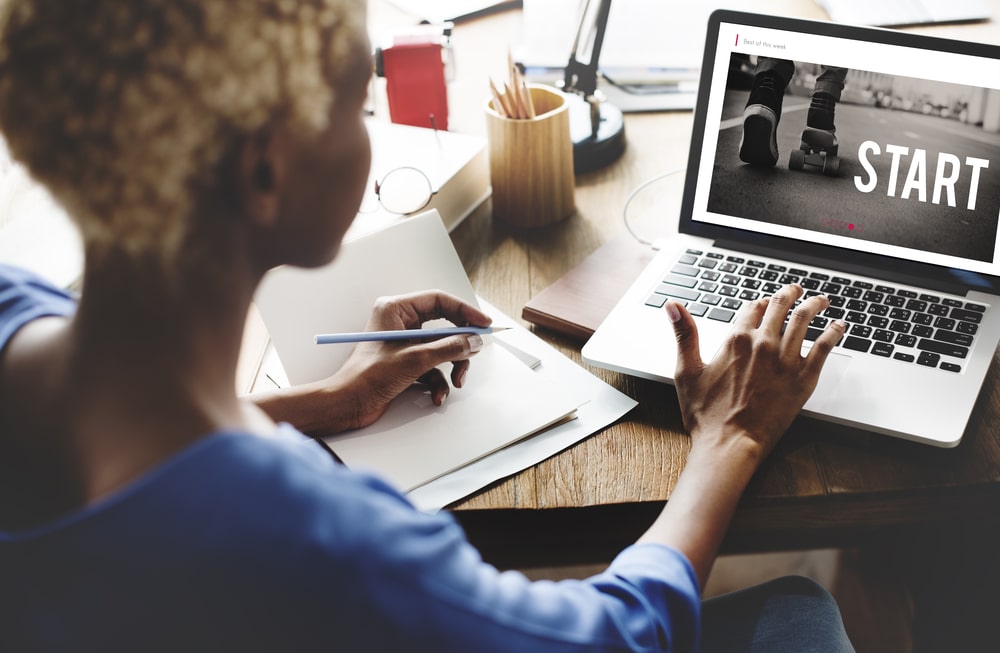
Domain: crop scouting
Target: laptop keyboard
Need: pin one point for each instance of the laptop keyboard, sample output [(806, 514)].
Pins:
[(905, 324)]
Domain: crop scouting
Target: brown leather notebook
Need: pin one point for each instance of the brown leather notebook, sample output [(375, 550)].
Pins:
[(577, 303)]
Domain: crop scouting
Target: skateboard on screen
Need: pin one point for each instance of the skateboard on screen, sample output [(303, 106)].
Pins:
[(818, 149)]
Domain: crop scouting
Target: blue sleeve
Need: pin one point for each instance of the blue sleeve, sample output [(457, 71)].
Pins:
[(24, 297), (421, 573)]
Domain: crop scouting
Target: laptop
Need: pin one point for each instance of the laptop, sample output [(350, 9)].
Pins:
[(898, 225)]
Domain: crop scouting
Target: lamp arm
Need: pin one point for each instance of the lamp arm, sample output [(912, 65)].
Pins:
[(581, 74), (596, 128)]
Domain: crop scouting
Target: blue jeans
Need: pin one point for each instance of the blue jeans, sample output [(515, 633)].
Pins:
[(831, 80), (791, 614)]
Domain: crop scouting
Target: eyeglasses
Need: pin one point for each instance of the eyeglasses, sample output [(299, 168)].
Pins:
[(401, 191)]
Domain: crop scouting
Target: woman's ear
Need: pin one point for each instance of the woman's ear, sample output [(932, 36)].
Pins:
[(262, 170)]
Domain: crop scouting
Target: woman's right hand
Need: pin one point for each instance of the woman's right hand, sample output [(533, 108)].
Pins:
[(736, 408), (376, 372), (759, 380)]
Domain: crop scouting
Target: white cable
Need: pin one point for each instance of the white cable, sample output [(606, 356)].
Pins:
[(632, 195)]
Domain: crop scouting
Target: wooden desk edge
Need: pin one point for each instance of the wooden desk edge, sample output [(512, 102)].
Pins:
[(521, 538)]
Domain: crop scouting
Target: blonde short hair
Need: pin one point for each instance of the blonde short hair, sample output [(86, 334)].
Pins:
[(125, 108)]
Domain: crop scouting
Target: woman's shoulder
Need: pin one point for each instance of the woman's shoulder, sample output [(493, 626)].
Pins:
[(246, 525), (273, 487), (17, 283), (24, 296)]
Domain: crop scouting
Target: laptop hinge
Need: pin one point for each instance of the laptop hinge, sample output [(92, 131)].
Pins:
[(940, 284)]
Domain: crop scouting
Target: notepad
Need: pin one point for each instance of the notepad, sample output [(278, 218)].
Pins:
[(503, 400), (297, 303)]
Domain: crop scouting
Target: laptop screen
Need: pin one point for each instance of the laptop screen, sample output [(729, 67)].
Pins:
[(851, 142)]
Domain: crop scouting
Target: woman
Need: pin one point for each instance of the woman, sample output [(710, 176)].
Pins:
[(197, 144)]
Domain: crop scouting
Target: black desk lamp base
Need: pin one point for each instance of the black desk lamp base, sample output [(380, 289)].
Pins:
[(594, 149), (596, 128)]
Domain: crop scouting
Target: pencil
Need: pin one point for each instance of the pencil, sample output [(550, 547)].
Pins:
[(515, 103), (529, 103), (505, 108), (520, 86), (404, 334), (515, 86), (498, 105)]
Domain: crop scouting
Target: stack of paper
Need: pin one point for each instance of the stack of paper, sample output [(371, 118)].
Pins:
[(519, 391), (417, 442)]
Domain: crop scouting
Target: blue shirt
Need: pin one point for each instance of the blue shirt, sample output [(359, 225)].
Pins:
[(243, 543)]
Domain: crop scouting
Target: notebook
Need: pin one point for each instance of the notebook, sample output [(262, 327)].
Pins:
[(898, 226), (414, 442)]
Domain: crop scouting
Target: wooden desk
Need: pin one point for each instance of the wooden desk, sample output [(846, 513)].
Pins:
[(824, 485)]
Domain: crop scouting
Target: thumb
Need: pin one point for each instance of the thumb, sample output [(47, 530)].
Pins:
[(686, 333)]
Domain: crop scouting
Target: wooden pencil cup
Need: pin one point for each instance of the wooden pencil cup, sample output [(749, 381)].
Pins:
[(531, 162)]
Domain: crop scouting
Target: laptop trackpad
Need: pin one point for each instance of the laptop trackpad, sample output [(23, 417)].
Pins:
[(826, 390)]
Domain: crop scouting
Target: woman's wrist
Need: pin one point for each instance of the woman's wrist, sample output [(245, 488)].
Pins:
[(313, 408), (701, 506), (737, 449)]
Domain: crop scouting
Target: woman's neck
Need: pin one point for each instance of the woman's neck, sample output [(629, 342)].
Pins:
[(155, 359), (178, 327)]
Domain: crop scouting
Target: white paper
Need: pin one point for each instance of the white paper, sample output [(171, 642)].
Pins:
[(296, 304), (605, 405), (503, 401)]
